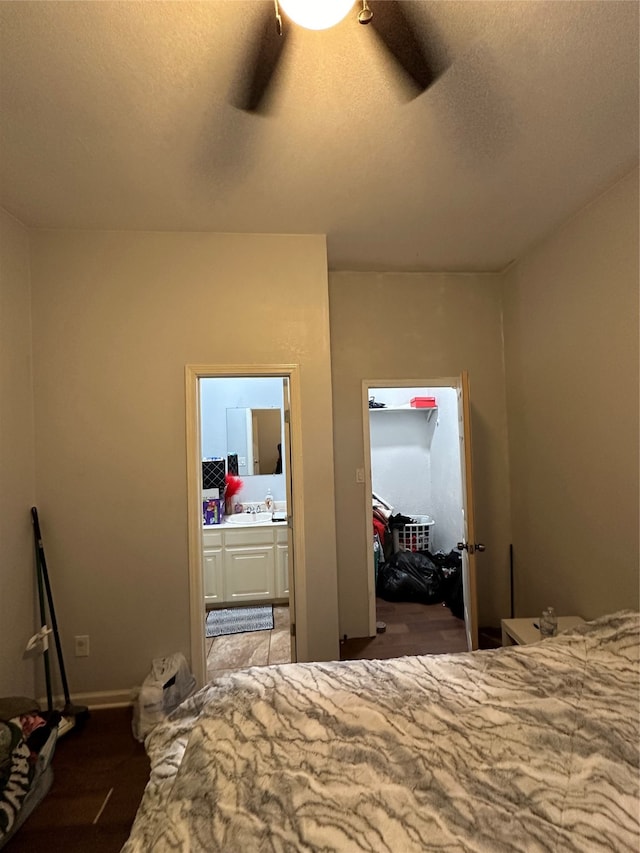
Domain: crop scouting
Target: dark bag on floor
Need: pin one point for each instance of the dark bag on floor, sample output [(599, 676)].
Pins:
[(453, 593), (410, 576)]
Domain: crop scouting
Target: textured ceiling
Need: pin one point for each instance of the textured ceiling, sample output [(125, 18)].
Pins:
[(117, 115)]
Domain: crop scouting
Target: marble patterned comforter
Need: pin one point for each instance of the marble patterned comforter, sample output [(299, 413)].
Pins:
[(528, 748)]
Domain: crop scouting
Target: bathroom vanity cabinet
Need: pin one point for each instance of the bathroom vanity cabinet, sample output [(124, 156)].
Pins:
[(245, 564)]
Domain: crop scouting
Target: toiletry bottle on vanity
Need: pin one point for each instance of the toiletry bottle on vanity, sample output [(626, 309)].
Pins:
[(268, 501)]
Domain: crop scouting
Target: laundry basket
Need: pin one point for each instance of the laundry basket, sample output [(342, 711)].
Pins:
[(414, 536)]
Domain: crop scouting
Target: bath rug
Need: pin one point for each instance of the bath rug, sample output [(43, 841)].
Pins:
[(238, 620)]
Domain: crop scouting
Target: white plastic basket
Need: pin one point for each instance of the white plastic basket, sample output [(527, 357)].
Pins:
[(415, 536)]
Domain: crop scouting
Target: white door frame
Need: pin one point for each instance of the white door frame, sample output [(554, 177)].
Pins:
[(297, 602), (367, 384), (469, 544)]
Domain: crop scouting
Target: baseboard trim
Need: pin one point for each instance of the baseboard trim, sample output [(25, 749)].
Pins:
[(94, 701)]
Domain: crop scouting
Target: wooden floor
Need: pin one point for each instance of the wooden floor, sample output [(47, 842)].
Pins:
[(89, 762), (411, 629)]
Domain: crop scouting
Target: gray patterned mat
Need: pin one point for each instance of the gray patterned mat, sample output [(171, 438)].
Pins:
[(238, 620)]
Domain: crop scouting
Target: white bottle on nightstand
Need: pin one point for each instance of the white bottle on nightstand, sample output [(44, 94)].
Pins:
[(548, 623)]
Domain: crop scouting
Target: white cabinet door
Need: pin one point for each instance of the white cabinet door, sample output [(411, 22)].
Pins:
[(212, 575), (282, 571), (249, 573)]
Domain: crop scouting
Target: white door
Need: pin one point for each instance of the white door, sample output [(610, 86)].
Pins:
[(468, 547)]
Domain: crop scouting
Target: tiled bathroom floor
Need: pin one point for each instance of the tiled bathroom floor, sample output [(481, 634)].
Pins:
[(257, 648)]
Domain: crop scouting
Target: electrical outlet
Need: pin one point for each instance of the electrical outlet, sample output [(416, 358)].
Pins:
[(82, 646)]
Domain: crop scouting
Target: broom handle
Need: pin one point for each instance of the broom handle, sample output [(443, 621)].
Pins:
[(52, 612), (43, 622)]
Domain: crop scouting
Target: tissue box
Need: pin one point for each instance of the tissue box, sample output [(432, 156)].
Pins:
[(213, 511), (423, 402)]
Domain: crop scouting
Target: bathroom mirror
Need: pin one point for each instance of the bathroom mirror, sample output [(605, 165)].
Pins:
[(255, 435)]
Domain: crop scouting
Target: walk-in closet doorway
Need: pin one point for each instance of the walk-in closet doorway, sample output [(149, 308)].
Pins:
[(418, 462)]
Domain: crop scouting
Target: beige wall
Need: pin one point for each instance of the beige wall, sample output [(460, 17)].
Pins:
[(419, 326), (571, 349), (17, 495), (116, 317)]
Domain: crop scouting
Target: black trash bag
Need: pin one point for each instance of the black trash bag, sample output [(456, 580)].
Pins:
[(410, 576), (453, 593), (452, 560)]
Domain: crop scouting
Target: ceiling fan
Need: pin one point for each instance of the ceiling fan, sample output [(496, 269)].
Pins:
[(386, 19)]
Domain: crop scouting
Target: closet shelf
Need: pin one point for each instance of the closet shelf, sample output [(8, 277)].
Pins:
[(427, 411)]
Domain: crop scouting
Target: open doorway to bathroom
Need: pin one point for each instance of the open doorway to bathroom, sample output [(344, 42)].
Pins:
[(240, 518), (415, 478), (244, 499)]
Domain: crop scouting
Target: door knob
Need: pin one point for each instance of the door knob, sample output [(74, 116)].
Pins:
[(465, 546)]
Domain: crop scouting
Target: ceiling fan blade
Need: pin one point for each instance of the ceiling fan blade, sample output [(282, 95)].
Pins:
[(262, 61), (397, 34)]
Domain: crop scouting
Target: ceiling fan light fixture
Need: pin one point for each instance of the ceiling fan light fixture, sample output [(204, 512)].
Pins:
[(316, 14)]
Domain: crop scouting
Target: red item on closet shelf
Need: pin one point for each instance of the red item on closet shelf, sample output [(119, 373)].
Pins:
[(423, 402)]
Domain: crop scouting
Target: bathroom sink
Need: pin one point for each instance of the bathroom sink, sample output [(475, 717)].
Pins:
[(249, 518)]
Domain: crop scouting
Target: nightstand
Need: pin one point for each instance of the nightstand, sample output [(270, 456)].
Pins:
[(519, 632)]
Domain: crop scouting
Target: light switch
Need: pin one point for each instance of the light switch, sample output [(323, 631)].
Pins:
[(359, 475)]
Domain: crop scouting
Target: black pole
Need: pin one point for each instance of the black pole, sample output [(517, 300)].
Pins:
[(43, 622), (52, 612), (511, 579)]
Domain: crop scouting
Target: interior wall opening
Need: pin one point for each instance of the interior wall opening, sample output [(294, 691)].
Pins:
[(417, 518), (245, 539)]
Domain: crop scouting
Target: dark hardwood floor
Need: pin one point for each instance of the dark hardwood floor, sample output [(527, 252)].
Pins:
[(415, 629), (88, 763), (411, 629)]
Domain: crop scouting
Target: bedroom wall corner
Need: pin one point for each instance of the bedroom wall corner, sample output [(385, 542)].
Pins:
[(17, 587), (571, 352)]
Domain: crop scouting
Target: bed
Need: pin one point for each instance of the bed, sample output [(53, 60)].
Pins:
[(526, 748)]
